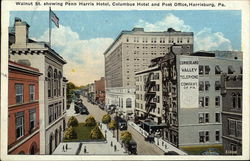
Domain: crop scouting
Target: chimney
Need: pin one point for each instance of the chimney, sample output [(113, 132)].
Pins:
[(21, 31)]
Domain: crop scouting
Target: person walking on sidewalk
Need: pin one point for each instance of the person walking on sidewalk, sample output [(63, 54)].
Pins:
[(63, 148), (115, 147)]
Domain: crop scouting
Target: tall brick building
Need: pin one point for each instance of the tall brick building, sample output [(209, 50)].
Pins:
[(100, 90), (23, 109)]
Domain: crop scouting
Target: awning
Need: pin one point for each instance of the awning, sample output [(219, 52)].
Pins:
[(230, 69), (217, 69)]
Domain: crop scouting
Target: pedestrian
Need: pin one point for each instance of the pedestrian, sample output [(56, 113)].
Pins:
[(115, 147), (66, 147), (85, 149), (111, 143), (166, 146), (63, 148)]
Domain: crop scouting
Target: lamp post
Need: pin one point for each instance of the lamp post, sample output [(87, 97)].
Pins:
[(117, 126)]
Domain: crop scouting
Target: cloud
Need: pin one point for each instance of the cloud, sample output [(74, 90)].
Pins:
[(207, 40), (204, 39), (169, 21), (85, 60)]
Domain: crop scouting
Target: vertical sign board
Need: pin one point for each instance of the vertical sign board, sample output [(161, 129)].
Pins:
[(189, 82)]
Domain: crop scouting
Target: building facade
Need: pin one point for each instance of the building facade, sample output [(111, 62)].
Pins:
[(23, 109), (132, 51), (100, 91), (194, 120), (50, 64), (231, 91)]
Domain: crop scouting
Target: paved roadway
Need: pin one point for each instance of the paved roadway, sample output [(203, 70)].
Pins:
[(143, 147)]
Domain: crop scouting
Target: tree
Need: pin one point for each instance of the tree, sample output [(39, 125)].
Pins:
[(72, 122), (90, 121), (70, 133), (112, 125), (126, 137), (96, 133), (106, 119)]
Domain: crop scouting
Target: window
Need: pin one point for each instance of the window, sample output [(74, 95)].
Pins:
[(206, 117), (202, 136), (231, 127), (201, 101), (201, 86), (239, 129), (217, 101), (201, 70), (50, 82), (230, 69), (50, 113), (239, 100), (207, 136), (201, 117), (128, 103), (207, 69), (217, 117), (234, 100), (233, 147), (19, 93), (206, 101), (217, 69), (207, 85), (55, 82), (32, 92), (32, 118), (19, 124), (217, 135), (217, 85)]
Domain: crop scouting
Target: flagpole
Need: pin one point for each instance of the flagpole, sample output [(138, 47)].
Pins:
[(50, 27)]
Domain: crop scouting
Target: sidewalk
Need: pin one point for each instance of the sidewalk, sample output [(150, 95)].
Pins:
[(110, 138), (159, 142)]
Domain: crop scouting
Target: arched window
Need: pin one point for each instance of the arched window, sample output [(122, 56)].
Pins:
[(59, 83), (128, 103), (55, 82), (234, 100), (33, 148), (239, 100), (49, 75), (50, 143)]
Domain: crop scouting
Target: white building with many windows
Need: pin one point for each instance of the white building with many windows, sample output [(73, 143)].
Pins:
[(52, 87)]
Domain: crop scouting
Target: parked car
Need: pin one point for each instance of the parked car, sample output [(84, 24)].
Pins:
[(84, 111), (131, 147), (122, 123)]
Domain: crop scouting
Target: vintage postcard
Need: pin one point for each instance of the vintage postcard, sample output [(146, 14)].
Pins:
[(124, 80)]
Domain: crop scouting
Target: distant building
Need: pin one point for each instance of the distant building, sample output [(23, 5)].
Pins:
[(50, 64), (91, 92), (131, 52), (23, 109), (231, 91), (100, 90)]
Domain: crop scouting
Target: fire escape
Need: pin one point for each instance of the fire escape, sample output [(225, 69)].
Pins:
[(149, 95)]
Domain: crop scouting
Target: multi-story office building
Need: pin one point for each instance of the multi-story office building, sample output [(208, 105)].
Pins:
[(100, 91), (23, 109), (131, 52), (91, 92), (50, 64), (191, 99), (231, 91)]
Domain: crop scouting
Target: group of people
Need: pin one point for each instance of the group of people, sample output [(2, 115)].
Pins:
[(66, 147)]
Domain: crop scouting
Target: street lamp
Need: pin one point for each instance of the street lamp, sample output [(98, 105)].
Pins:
[(117, 130)]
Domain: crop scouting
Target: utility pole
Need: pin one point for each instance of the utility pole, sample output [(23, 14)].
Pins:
[(117, 126)]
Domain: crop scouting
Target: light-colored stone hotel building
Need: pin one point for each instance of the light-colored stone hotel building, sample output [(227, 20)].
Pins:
[(52, 84), (132, 51)]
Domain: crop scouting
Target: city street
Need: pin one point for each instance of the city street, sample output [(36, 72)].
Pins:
[(143, 147)]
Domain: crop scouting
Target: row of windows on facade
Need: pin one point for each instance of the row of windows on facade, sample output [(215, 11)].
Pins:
[(55, 111), (158, 40), (156, 46), (128, 103), (155, 99), (20, 122), (143, 88), (204, 136), (205, 117), (205, 85), (54, 83), (154, 76), (205, 69), (234, 128), (19, 88), (140, 106), (235, 104)]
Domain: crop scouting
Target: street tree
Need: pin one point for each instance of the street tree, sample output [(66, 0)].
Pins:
[(70, 133), (90, 121), (96, 133), (126, 137), (112, 125), (106, 119), (72, 122)]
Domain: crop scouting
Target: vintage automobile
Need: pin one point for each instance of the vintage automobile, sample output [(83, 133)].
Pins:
[(131, 147)]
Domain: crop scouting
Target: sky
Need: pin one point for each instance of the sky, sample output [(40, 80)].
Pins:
[(83, 36)]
